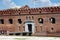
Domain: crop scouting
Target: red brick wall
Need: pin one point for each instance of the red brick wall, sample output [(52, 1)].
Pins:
[(44, 13)]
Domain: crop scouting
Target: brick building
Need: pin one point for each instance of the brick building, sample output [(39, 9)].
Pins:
[(43, 21)]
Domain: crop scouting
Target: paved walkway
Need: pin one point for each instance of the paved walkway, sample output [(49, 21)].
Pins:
[(27, 38)]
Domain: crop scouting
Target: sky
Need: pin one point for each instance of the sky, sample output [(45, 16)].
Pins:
[(6, 4)]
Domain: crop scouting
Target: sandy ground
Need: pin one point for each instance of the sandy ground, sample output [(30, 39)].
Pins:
[(27, 38)]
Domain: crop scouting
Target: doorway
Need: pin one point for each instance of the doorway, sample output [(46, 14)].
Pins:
[(30, 27)]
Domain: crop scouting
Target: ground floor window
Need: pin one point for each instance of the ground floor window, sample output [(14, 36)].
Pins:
[(1, 21)]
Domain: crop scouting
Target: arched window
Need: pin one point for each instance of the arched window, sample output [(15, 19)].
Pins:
[(19, 21), (10, 21), (40, 20), (26, 17), (32, 17), (52, 20)]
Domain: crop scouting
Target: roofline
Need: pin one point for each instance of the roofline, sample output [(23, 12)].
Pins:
[(29, 8)]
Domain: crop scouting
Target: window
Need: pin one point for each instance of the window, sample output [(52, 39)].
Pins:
[(29, 17), (52, 28), (52, 20), (19, 21), (32, 17), (40, 20), (3, 31), (10, 21), (26, 17), (2, 21)]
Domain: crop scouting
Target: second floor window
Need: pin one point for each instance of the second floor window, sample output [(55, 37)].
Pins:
[(19, 21), (26, 17), (52, 20), (1, 21), (10, 21), (40, 20)]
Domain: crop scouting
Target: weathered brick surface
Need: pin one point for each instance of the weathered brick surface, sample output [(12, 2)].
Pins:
[(45, 13)]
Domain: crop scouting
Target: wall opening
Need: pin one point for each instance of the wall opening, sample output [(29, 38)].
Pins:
[(17, 34), (10, 21), (2, 21), (30, 27), (52, 29), (11, 34), (19, 21), (52, 20), (40, 20), (24, 34)]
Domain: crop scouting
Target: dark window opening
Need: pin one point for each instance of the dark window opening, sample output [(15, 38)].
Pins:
[(19, 20), (2, 21), (24, 34), (10, 21), (52, 20), (52, 28), (17, 34), (11, 34), (40, 20)]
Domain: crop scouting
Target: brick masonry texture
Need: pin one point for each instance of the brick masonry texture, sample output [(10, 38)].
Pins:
[(22, 13)]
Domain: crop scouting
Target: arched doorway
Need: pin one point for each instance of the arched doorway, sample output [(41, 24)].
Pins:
[(29, 26)]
